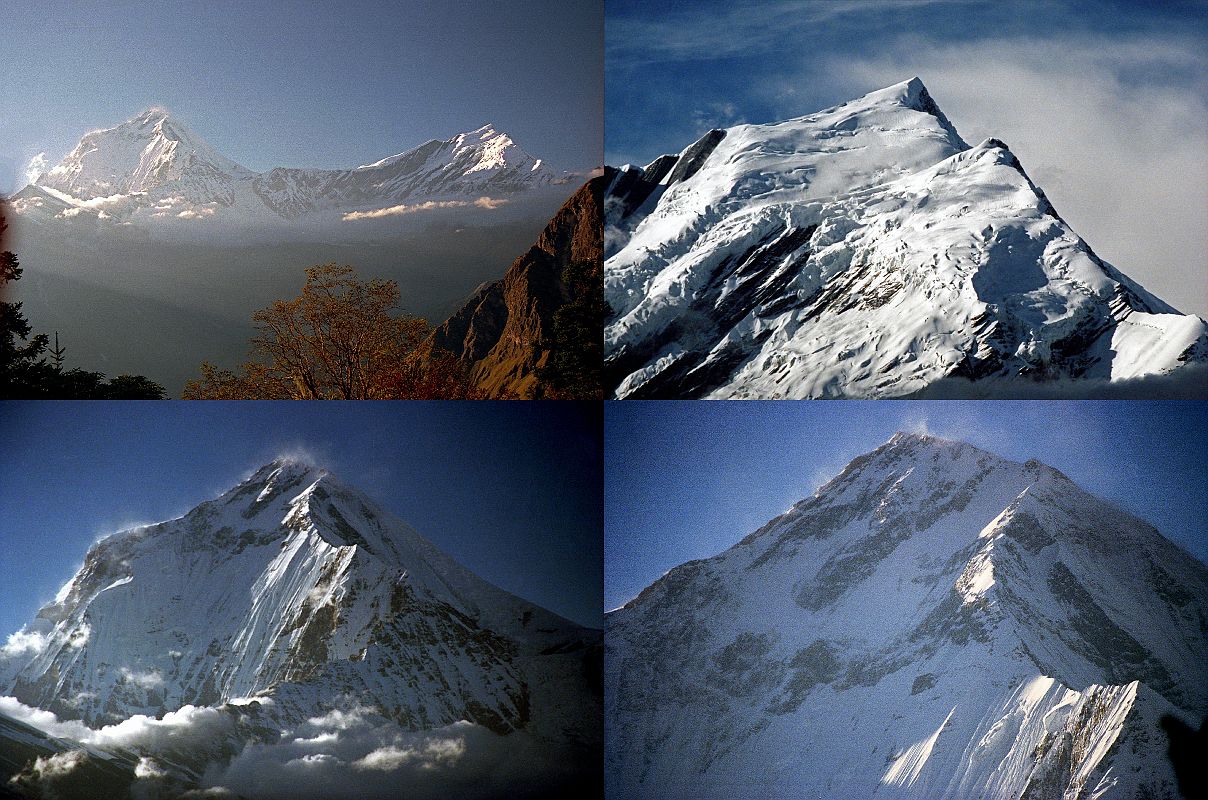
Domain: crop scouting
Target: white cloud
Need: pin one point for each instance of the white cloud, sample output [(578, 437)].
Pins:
[(187, 727), (343, 720), (80, 635), (58, 765), (43, 720), (313, 761), (434, 752), (146, 679), (354, 754), (428, 205), (147, 769), (318, 741), (23, 642), (36, 166)]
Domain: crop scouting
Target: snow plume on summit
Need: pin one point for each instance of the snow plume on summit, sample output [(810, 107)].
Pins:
[(290, 638), (933, 622), (864, 251)]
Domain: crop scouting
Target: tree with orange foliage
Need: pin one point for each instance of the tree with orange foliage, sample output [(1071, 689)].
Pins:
[(339, 340)]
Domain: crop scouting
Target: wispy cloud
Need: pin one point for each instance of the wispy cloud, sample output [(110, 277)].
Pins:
[(23, 642), (692, 33), (403, 209)]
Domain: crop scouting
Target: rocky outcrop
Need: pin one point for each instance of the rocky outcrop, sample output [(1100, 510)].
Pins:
[(503, 333)]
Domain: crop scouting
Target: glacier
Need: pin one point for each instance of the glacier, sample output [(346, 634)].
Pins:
[(865, 251)]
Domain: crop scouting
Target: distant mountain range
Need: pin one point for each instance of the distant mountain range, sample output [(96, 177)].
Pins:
[(936, 622), (864, 251), (154, 169)]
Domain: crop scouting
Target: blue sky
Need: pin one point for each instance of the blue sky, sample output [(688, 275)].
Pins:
[(1105, 103), (686, 480), (511, 490), (278, 83)]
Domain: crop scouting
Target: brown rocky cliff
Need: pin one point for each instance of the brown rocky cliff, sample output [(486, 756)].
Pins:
[(502, 333)]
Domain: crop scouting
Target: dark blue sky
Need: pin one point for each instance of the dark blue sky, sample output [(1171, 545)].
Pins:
[(1105, 102), (686, 480), (280, 83), (511, 490)]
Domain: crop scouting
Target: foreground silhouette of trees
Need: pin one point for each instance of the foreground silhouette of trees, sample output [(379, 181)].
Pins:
[(25, 372), (341, 339), (576, 343)]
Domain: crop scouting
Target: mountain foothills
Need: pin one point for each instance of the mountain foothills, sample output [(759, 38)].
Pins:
[(865, 251), (291, 638), (934, 622), (153, 170), (535, 333)]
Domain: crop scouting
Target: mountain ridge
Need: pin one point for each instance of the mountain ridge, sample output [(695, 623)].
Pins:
[(294, 587), (154, 167), (862, 251), (970, 626)]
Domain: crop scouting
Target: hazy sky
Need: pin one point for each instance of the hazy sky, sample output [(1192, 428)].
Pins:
[(1104, 101), (305, 84), (511, 490), (686, 480)]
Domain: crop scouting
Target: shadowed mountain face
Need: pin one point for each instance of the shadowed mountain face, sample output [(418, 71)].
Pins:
[(503, 333), (864, 251), (935, 622), (293, 597)]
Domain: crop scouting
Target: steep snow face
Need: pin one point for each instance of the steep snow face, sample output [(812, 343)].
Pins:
[(296, 587), (864, 251), (153, 167), (935, 622), (142, 156)]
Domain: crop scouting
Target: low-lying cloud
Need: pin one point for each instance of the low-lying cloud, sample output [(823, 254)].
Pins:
[(23, 642), (403, 209), (1186, 383), (341, 754)]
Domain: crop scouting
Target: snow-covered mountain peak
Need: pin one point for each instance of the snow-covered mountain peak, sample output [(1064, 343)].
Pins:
[(981, 627), (863, 251), (154, 170), (295, 584)]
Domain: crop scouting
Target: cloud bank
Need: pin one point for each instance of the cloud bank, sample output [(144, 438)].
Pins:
[(428, 205), (354, 753)]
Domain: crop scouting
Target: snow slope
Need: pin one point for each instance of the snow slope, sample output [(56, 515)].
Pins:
[(863, 251), (295, 588), (153, 169), (935, 622)]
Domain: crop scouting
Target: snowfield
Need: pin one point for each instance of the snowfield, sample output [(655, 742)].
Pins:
[(864, 251), (935, 622)]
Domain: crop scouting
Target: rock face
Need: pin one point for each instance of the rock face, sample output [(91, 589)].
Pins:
[(295, 588), (153, 170), (935, 622), (862, 251), (502, 333)]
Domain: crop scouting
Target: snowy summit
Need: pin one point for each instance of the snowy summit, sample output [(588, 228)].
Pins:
[(862, 251), (935, 622), (294, 602), (153, 168)]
